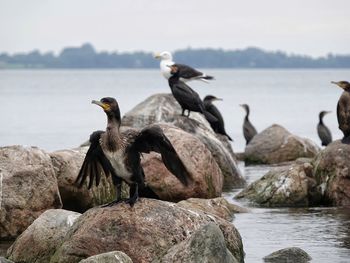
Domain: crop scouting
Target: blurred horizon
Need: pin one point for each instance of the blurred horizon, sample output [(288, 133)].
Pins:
[(314, 28)]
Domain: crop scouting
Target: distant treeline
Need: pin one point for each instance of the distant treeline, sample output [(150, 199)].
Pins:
[(87, 57)]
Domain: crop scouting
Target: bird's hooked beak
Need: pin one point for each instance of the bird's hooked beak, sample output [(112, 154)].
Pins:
[(173, 69), (157, 56), (218, 99), (338, 84), (326, 112), (105, 106)]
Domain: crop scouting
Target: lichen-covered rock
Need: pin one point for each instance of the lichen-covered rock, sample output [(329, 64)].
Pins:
[(109, 257), (39, 241), (28, 187), (206, 245), (276, 145), (206, 181), (145, 231), (286, 186), (332, 173), (67, 164), (286, 255), (163, 108), (217, 206)]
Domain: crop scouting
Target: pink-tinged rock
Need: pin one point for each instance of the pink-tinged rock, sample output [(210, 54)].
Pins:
[(28, 187)]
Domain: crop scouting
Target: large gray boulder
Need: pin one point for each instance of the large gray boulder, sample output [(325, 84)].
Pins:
[(206, 245), (39, 241), (28, 187), (109, 257), (206, 177), (287, 186), (67, 164), (286, 255), (144, 232), (163, 108), (332, 173), (276, 145)]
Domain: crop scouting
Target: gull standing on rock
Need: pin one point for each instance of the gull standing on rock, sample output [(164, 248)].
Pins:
[(186, 73)]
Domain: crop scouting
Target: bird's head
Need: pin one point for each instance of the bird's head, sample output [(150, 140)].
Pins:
[(322, 113), (342, 84), (174, 70), (110, 107), (165, 55), (211, 98), (245, 107)]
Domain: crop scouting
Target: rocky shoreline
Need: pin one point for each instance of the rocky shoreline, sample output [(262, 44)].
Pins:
[(186, 224)]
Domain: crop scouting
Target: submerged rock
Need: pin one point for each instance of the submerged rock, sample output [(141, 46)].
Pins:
[(145, 231), (286, 255), (39, 241), (28, 187), (163, 108), (218, 206), (276, 145), (67, 164), (287, 186), (332, 173), (206, 245), (109, 257), (206, 181)]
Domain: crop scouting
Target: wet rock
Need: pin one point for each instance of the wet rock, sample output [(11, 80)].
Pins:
[(207, 180), (286, 186), (163, 108), (332, 173), (39, 241), (28, 187), (286, 255), (110, 257), (218, 206), (276, 145), (67, 164), (145, 231), (206, 245)]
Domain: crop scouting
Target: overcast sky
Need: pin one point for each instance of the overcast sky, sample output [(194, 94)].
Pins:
[(313, 27)]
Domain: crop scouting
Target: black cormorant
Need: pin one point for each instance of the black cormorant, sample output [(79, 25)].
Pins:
[(186, 73), (118, 153), (248, 129), (187, 98), (343, 110), (219, 126), (323, 132)]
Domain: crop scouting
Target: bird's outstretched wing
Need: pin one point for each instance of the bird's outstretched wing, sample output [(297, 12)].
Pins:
[(95, 163), (153, 139), (188, 72)]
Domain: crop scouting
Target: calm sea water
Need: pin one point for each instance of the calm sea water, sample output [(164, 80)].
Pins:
[(51, 109)]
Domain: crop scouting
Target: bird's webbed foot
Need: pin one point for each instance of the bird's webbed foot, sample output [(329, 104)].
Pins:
[(131, 201)]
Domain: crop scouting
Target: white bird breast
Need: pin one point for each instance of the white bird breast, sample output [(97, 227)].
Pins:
[(117, 161), (164, 68)]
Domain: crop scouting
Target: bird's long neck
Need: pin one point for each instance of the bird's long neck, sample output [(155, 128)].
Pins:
[(247, 113), (320, 118), (112, 139)]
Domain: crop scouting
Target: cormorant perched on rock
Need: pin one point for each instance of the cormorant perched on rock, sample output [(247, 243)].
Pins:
[(187, 97), (186, 73), (219, 126), (343, 110), (323, 132), (118, 153), (248, 129)]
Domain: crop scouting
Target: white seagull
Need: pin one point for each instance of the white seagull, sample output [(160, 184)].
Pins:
[(186, 73)]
